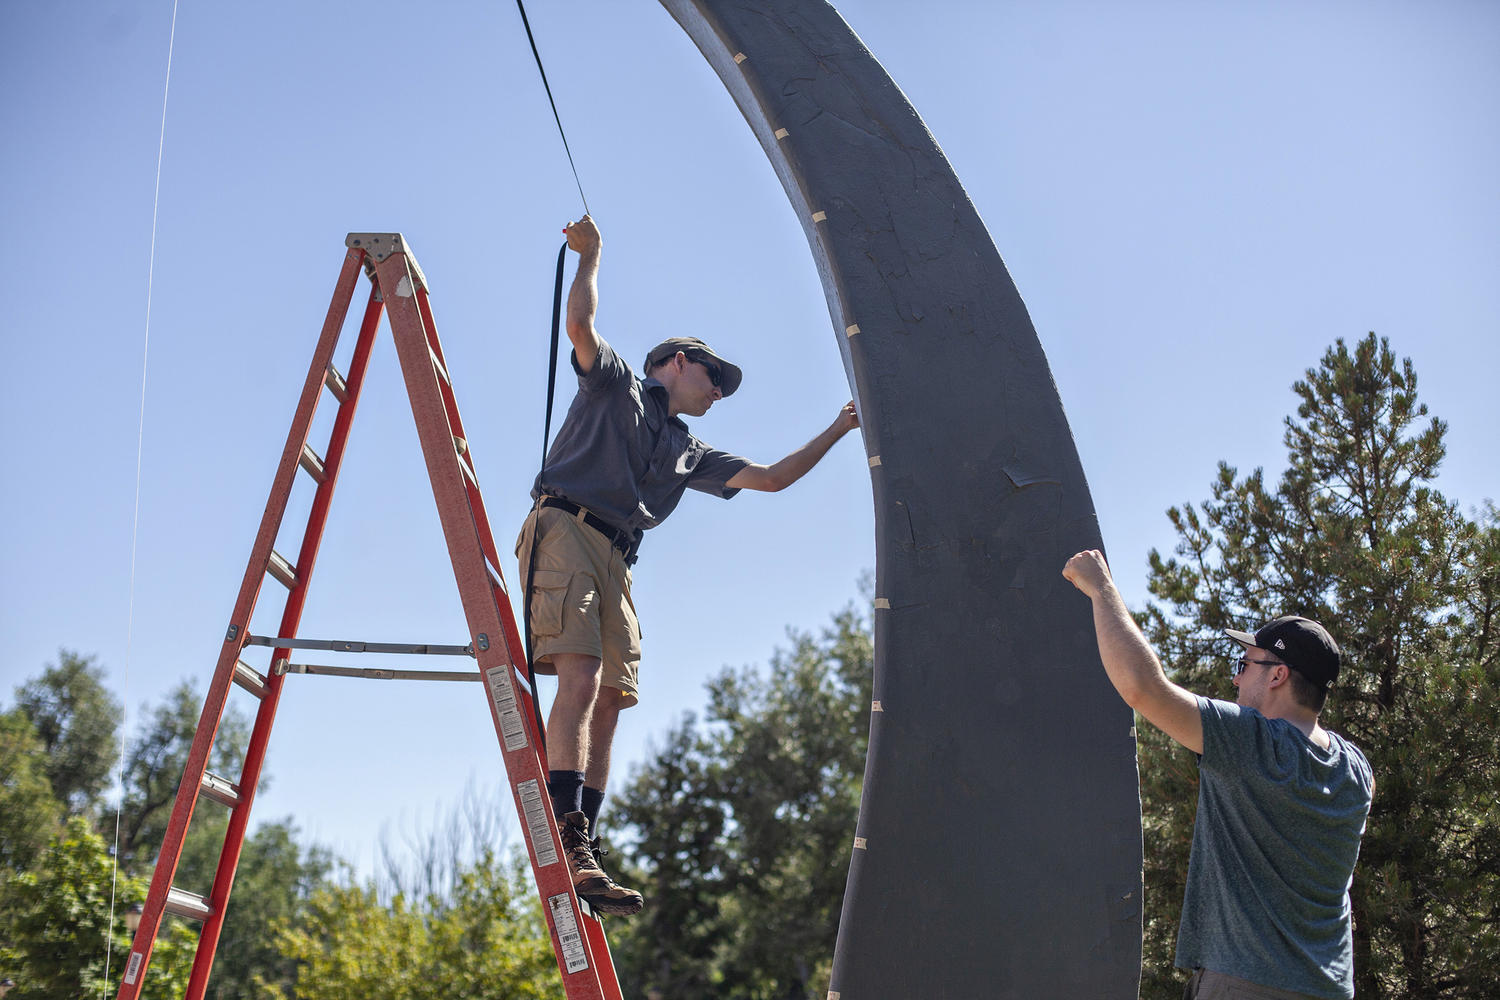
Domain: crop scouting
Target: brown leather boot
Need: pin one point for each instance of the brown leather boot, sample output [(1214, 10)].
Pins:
[(589, 881)]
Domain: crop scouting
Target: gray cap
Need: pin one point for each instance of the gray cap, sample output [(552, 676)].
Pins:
[(697, 350)]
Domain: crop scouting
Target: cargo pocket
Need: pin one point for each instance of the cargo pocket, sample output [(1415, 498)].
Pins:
[(549, 592)]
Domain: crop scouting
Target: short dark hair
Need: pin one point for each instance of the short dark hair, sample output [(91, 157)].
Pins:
[(1305, 691)]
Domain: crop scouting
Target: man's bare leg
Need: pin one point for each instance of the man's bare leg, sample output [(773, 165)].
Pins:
[(572, 711), (606, 717), (578, 731)]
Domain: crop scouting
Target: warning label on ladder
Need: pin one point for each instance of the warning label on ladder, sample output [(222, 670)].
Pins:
[(574, 957), (534, 808), (503, 694)]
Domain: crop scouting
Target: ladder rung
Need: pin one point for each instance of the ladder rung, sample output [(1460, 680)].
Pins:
[(249, 679), (282, 570), (351, 646), (336, 384), (313, 463), (377, 673), (188, 904), (221, 790)]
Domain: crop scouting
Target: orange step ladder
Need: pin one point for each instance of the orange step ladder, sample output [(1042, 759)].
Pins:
[(399, 289)]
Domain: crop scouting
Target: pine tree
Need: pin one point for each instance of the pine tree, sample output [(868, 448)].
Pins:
[(1355, 535)]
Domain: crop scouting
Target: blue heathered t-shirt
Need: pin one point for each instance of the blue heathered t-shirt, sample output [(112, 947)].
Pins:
[(1274, 845)]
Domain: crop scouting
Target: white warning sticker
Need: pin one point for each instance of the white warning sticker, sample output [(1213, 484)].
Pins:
[(133, 968), (503, 694), (534, 809), (566, 924)]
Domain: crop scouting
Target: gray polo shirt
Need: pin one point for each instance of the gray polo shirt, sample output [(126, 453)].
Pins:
[(622, 457), (1274, 845)]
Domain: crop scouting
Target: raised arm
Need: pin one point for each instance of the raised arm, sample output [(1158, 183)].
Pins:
[(780, 475), (1129, 661), (583, 297)]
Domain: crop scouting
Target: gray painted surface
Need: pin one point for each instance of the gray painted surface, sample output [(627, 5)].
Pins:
[(998, 853)]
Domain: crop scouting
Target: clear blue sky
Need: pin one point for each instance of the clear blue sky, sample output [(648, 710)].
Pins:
[(1194, 201)]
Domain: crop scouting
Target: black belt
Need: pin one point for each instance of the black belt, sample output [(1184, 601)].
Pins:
[(618, 537)]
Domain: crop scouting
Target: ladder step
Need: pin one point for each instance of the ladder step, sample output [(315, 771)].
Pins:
[(461, 446), (188, 904), (282, 570), (249, 678), (377, 673), (221, 790), (336, 384), (354, 646), (312, 462)]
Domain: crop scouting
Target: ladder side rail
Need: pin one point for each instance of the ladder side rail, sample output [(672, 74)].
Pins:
[(598, 945), (144, 940), (450, 404), (513, 634), (482, 610), (255, 753)]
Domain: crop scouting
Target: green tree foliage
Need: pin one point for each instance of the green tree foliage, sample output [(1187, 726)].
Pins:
[(29, 813), (487, 942), (58, 919), (56, 884), (742, 829), (1355, 535), (273, 885), (76, 720)]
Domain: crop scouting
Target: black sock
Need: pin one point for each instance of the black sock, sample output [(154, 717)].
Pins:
[(592, 801), (565, 788)]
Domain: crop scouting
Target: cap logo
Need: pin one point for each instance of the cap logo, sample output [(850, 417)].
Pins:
[(1280, 644)]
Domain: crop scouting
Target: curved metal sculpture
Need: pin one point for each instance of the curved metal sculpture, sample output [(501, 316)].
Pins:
[(998, 851)]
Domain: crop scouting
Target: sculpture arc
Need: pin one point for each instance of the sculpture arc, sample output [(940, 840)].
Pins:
[(998, 849)]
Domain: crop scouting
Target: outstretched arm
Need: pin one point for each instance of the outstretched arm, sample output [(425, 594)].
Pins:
[(1129, 660), (780, 475), (583, 297)]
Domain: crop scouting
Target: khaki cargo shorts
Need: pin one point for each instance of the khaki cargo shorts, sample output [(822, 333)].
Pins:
[(580, 599)]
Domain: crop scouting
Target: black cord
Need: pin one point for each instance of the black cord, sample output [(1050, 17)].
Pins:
[(530, 38), (536, 513)]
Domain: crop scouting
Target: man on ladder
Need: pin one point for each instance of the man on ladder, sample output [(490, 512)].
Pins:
[(619, 465)]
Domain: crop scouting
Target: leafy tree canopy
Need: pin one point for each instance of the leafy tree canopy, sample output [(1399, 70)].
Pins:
[(76, 719), (29, 813), (742, 828)]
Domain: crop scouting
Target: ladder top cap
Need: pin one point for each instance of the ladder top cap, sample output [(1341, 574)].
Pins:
[(379, 246)]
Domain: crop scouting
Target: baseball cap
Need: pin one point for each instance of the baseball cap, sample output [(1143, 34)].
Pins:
[(697, 350), (1302, 644)]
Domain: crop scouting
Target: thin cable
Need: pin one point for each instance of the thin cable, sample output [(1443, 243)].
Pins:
[(135, 522), (530, 38)]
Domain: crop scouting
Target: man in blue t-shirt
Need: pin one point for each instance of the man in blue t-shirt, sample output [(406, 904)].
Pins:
[(1282, 803)]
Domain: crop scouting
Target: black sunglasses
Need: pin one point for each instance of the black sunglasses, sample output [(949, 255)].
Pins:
[(715, 373), (1238, 664)]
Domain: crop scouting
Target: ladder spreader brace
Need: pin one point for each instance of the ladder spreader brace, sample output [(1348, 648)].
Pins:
[(399, 288)]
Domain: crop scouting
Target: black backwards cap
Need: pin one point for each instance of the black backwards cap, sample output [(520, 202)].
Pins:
[(1302, 644)]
